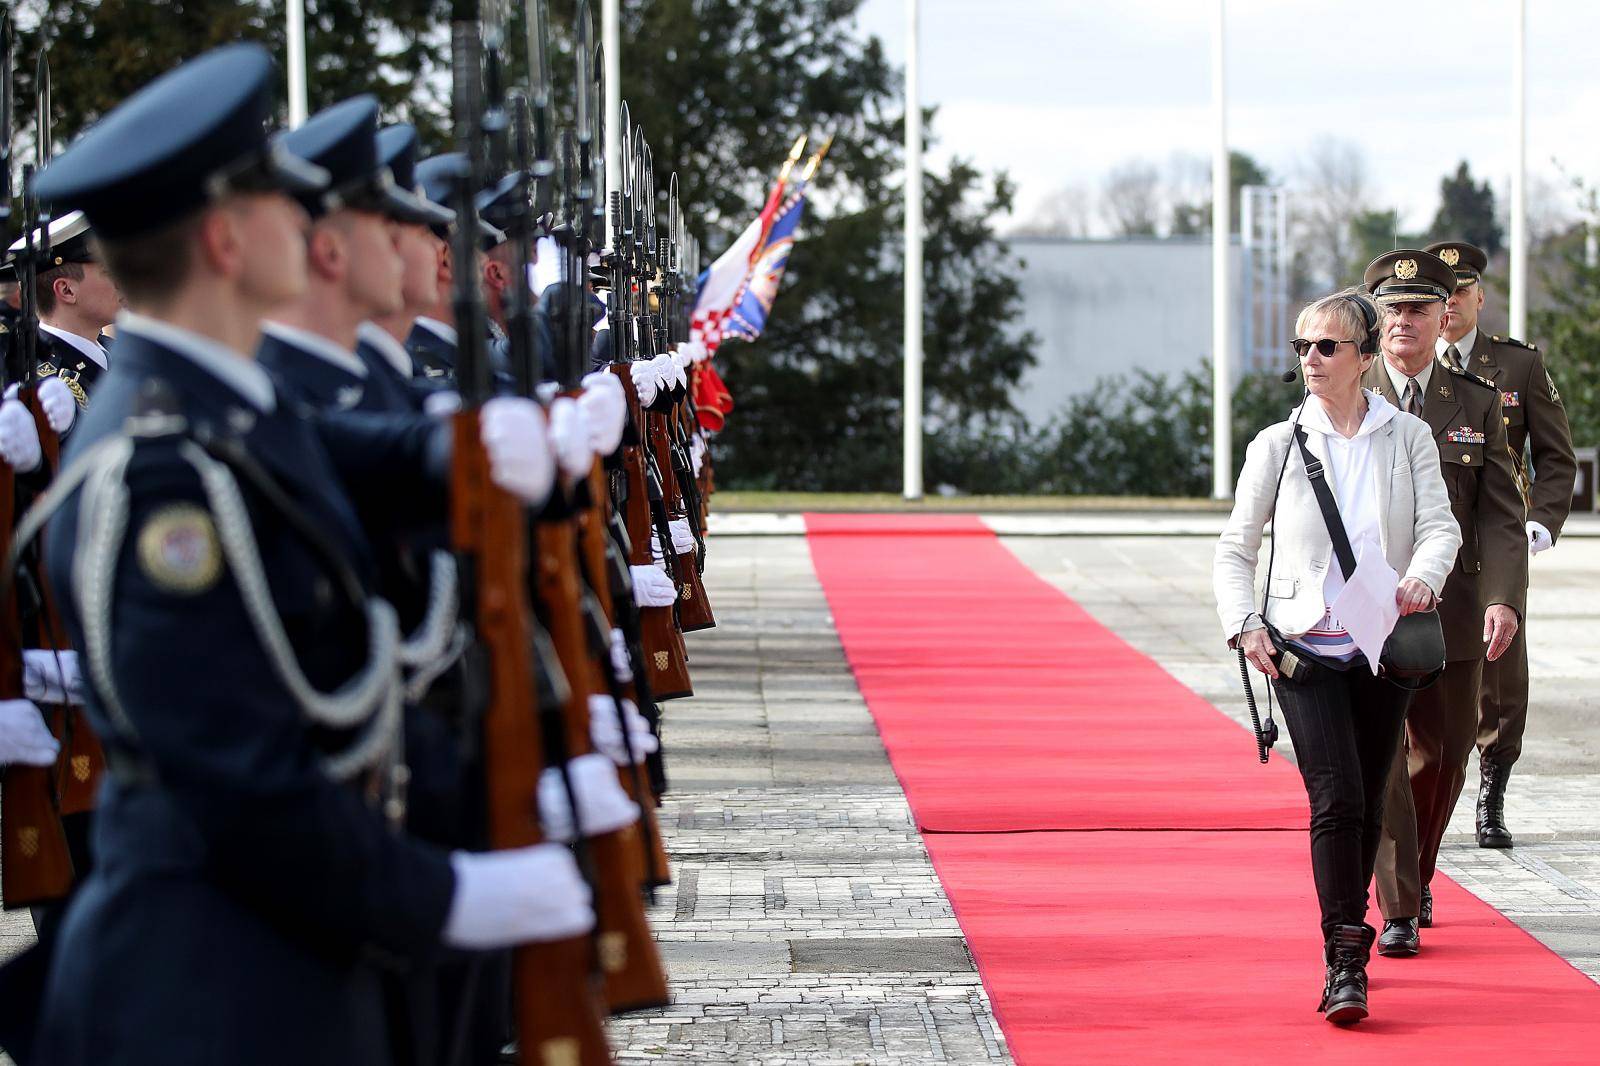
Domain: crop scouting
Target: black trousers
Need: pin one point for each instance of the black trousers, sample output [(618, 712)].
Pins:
[(1346, 728)]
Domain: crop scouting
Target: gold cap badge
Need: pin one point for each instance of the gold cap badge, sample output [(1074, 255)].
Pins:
[(1451, 256), (1405, 269)]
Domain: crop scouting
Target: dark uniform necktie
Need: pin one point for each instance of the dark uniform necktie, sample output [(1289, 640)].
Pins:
[(1453, 354), (1413, 398)]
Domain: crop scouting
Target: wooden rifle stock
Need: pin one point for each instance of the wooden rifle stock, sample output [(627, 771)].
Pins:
[(597, 563), (556, 1004), (630, 963), (666, 666), (83, 761), (694, 611)]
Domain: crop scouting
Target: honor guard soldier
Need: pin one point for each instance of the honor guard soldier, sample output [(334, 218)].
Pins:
[(206, 544), (1481, 605), (354, 271), (1536, 426), (432, 342), (381, 340), (77, 300)]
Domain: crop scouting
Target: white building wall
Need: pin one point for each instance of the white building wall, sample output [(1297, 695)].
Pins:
[(1106, 307)]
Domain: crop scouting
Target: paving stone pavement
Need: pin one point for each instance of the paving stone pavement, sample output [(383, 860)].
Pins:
[(806, 924)]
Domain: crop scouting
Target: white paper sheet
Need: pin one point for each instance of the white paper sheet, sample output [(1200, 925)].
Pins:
[(1366, 605)]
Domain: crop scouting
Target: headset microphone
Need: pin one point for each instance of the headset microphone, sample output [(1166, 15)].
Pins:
[(1289, 376)]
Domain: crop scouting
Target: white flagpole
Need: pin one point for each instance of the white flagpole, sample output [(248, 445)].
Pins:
[(912, 443), (1221, 306), (1519, 176), (296, 10), (611, 37)]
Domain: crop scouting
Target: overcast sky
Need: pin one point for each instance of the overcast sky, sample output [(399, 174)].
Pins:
[(1058, 91)]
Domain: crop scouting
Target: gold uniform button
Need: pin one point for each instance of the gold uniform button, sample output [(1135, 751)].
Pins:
[(1466, 457), (1508, 420)]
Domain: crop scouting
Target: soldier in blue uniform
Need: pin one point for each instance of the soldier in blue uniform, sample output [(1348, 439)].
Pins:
[(381, 340), (77, 300), (354, 268), (208, 547)]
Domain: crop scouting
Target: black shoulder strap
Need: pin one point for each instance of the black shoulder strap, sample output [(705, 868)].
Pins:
[(1329, 506)]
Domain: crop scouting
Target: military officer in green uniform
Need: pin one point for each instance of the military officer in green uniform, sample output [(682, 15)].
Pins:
[(1536, 428), (1481, 605)]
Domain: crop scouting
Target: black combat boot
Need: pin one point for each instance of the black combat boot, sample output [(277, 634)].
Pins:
[(1344, 996), (1492, 831), (1425, 919)]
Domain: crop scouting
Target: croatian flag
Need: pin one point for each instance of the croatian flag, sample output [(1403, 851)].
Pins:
[(722, 285), (753, 304)]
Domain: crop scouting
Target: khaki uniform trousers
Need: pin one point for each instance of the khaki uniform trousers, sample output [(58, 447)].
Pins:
[(1503, 706), (1424, 785)]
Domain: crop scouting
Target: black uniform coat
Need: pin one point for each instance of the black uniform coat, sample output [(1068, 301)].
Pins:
[(240, 895), (434, 356)]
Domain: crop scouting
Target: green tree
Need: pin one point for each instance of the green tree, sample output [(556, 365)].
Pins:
[(104, 50), (1371, 234), (1570, 331), (1466, 212)]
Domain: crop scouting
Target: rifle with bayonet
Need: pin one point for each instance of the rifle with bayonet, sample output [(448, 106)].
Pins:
[(36, 863), (557, 1009), (629, 959)]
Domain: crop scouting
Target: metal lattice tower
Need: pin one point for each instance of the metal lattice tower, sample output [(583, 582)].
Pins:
[(1265, 315)]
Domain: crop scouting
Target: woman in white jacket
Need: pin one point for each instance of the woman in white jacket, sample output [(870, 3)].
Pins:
[(1383, 467)]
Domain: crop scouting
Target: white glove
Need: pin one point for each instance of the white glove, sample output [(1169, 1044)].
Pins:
[(24, 738), (605, 729), (19, 436), (645, 381), (441, 404), (55, 399), (1539, 538), (666, 372), (51, 676), (514, 896), (604, 806), (698, 353), (682, 536), (605, 408), (569, 432), (513, 433), (621, 664), (652, 587), (697, 452)]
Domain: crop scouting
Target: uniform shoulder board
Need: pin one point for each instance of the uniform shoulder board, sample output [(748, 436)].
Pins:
[(1514, 342), (1469, 376)]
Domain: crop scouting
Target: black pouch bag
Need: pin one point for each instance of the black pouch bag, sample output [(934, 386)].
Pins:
[(1413, 656)]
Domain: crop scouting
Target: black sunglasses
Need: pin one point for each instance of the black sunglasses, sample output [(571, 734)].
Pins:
[(1325, 347)]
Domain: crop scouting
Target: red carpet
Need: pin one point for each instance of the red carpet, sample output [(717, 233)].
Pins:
[(1006, 708)]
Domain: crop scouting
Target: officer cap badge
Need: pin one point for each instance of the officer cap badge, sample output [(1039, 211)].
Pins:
[(1405, 269), (1451, 256), (179, 551)]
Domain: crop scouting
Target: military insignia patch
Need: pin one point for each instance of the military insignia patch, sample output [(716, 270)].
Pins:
[(1405, 269), (1464, 435), (1451, 256), (1555, 397), (179, 551), (1510, 398)]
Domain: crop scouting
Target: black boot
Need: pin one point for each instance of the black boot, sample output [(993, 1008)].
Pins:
[(1492, 831), (1425, 919), (1344, 997)]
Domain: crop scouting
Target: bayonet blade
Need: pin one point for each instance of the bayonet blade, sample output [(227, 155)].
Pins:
[(46, 126)]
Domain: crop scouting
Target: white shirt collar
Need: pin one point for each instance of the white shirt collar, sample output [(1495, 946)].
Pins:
[(1398, 379), (1464, 345), (391, 349), (90, 348), (444, 332), (234, 369), (317, 345)]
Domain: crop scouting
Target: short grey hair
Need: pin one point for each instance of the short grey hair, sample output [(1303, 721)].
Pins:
[(1344, 308)]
